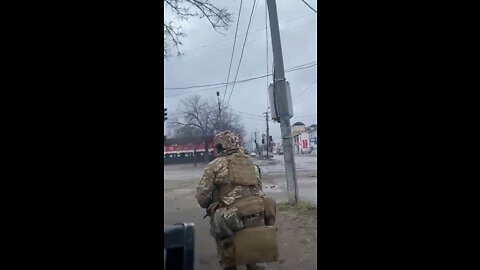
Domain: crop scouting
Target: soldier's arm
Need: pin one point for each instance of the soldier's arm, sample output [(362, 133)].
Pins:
[(205, 188)]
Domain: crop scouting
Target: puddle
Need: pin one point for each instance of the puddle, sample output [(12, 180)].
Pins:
[(272, 189)]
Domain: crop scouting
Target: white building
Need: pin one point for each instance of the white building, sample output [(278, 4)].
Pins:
[(304, 138), (313, 140), (297, 129), (278, 146)]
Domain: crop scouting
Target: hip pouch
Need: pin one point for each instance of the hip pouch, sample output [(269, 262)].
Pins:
[(248, 206), (270, 211), (255, 245), (219, 228)]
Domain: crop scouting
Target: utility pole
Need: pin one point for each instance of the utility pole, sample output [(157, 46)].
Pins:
[(219, 113), (251, 143), (268, 133), (280, 91), (256, 145), (263, 144)]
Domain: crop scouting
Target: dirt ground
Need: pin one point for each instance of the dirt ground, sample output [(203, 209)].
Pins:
[(297, 226)]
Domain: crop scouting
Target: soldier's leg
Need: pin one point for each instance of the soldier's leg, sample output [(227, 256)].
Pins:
[(226, 254)]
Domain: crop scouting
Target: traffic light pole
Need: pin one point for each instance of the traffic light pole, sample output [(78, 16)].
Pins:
[(268, 134), (219, 113), (256, 145), (282, 104)]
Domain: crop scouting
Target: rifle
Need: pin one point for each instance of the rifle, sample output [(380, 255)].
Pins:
[(214, 205)]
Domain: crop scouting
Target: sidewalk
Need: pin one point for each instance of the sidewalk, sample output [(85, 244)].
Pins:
[(297, 235)]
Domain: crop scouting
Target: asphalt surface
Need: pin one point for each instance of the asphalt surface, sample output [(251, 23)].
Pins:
[(296, 238), (273, 175), (275, 183)]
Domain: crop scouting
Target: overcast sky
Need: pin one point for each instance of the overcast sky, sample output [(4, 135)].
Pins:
[(206, 59)]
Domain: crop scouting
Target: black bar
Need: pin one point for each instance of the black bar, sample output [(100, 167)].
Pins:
[(179, 245)]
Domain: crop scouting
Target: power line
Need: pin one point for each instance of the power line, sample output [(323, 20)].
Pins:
[(245, 113), (299, 68), (250, 41), (303, 116), (233, 50), (251, 118), (193, 92), (309, 6), (254, 31), (242, 81), (243, 48), (303, 66), (303, 91)]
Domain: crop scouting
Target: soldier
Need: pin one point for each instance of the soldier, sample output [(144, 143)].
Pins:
[(231, 191)]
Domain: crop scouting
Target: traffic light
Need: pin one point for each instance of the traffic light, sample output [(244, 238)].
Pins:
[(165, 114), (271, 139)]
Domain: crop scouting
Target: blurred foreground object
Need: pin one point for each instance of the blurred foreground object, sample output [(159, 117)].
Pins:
[(178, 246)]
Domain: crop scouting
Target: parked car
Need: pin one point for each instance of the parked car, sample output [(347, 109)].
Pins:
[(253, 155)]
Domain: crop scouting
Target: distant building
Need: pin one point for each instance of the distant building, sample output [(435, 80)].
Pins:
[(298, 126), (278, 147), (304, 138), (186, 150), (312, 137)]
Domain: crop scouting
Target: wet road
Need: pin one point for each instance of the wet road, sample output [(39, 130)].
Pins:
[(180, 178), (180, 205), (274, 179)]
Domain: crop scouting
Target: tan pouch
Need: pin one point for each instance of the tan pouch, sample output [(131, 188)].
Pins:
[(270, 211), (255, 245), (249, 206)]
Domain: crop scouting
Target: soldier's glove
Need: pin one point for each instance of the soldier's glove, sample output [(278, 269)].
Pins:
[(211, 209)]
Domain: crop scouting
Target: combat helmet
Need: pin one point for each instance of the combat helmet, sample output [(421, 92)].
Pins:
[(226, 140)]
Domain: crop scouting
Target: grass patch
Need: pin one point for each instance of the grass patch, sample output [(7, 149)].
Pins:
[(300, 207)]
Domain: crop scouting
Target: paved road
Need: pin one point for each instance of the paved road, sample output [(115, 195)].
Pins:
[(297, 244), (273, 173)]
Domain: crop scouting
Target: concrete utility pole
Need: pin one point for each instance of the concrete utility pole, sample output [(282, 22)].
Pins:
[(268, 133), (282, 104)]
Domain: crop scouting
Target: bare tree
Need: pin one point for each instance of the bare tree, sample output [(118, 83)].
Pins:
[(195, 118), (199, 118), (219, 18), (231, 121)]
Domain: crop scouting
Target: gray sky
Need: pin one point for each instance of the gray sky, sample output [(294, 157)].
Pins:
[(207, 56)]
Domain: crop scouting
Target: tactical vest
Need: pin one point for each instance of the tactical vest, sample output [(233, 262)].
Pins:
[(239, 196), (241, 184)]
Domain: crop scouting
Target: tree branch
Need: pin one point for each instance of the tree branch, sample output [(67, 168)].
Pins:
[(217, 17)]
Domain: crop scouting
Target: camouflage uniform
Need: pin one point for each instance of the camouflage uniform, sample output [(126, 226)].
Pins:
[(215, 188)]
